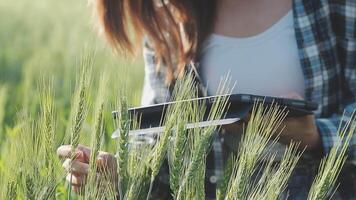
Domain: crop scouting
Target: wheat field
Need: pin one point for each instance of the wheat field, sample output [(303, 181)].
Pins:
[(59, 82)]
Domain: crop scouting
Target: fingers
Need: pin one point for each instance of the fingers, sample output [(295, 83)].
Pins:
[(80, 163), (76, 167), (86, 151), (106, 161), (82, 153), (77, 182), (75, 179), (63, 151)]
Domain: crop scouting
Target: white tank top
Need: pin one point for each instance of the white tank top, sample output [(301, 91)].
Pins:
[(265, 64)]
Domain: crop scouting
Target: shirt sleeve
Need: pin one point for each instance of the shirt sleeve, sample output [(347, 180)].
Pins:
[(154, 90), (328, 129), (344, 26)]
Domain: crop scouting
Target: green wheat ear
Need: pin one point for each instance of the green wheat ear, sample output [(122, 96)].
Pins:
[(263, 124), (330, 167), (176, 154), (47, 124), (80, 105), (182, 91), (274, 178), (92, 190), (123, 124), (138, 167), (47, 121), (30, 190), (3, 100), (11, 188), (200, 139)]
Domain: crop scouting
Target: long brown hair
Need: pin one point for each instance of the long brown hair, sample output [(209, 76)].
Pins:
[(175, 28)]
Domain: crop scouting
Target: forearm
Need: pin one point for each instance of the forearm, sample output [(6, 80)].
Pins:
[(328, 129)]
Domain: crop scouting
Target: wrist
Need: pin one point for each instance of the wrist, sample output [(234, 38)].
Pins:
[(313, 141)]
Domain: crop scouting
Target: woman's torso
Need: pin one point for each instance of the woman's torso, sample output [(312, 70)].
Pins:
[(320, 65), (264, 63)]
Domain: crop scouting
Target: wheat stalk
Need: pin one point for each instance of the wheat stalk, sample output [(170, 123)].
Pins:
[(184, 89), (47, 125), (332, 164), (11, 188), (159, 153), (123, 123), (224, 182), (96, 137), (30, 187), (47, 121), (138, 163), (3, 100), (80, 107), (176, 157), (274, 179), (202, 140), (106, 188), (262, 125)]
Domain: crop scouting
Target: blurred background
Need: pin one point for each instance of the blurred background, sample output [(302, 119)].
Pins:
[(45, 39)]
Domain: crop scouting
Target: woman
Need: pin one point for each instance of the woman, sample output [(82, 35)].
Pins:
[(298, 49)]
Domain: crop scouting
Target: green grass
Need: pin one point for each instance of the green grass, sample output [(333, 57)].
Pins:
[(44, 41), (47, 38), (59, 83)]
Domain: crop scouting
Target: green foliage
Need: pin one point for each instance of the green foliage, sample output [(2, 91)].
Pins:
[(35, 173), (122, 141), (224, 182), (3, 100), (331, 165), (42, 42), (80, 102), (263, 124), (274, 179), (92, 189)]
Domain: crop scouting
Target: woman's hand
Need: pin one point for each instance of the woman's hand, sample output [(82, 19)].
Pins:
[(78, 168), (303, 130), (300, 129)]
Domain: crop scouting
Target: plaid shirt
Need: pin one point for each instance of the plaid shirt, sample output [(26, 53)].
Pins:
[(326, 38)]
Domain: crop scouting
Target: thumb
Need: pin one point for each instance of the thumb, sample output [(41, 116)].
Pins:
[(106, 161), (84, 153)]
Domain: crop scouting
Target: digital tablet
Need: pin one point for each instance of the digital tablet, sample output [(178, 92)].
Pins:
[(239, 106)]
